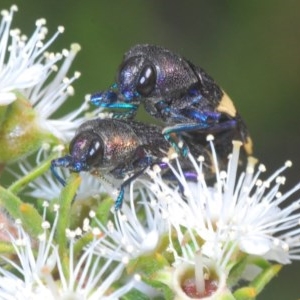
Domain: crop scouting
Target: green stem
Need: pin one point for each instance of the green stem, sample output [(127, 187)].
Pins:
[(18, 185), (66, 198), (265, 277)]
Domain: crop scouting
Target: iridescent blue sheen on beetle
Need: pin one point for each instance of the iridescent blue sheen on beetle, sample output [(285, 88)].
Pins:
[(174, 91), (123, 149)]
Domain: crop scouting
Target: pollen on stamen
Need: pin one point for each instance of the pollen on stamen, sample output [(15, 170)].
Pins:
[(45, 204), (180, 144), (14, 7), (86, 225), (24, 38), (156, 169), (14, 33), (266, 184), (262, 168), (87, 97), (125, 260), (66, 80), (137, 277), (296, 205), (18, 222), (258, 183), (78, 231), (129, 249), (70, 234), (56, 207), (5, 15), (288, 163), (51, 56), (65, 52), (165, 160), (97, 232), (280, 180), (210, 138), (42, 237), (201, 158), (75, 47), (223, 174), (39, 44), (46, 225), (92, 214), (77, 74), (40, 22), (70, 90), (172, 155), (61, 29)]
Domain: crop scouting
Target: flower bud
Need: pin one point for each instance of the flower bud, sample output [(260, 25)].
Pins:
[(20, 133)]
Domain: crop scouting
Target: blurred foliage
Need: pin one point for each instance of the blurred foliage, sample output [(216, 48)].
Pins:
[(251, 48)]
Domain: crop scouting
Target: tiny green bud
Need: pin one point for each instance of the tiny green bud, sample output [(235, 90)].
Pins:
[(20, 133)]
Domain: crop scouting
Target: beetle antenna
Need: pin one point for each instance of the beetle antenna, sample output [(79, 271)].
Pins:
[(60, 162)]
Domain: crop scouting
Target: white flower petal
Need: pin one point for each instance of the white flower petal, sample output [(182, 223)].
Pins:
[(7, 98), (255, 245)]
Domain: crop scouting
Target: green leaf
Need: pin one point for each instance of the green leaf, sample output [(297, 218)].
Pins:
[(147, 264), (103, 210), (31, 219), (66, 198), (153, 268)]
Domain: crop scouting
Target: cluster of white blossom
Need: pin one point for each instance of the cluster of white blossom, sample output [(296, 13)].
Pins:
[(178, 239)]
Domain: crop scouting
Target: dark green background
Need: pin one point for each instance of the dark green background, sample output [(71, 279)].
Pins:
[(251, 48)]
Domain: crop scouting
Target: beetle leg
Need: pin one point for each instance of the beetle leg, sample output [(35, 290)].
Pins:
[(200, 127), (182, 148), (112, 99), (140, 162), (120, 198)]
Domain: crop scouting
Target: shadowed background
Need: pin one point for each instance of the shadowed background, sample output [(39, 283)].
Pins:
[(250, 48)]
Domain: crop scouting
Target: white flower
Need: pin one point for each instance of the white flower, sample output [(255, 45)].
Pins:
[(137, 230), (27, 69), (249, 212), (44, 274), (32, 263)]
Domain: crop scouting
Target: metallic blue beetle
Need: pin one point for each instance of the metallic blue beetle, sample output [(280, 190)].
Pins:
[(174, 91), (123, 149)]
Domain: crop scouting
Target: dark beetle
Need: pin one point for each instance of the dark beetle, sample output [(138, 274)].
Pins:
[(123, 148), (176, 92)]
